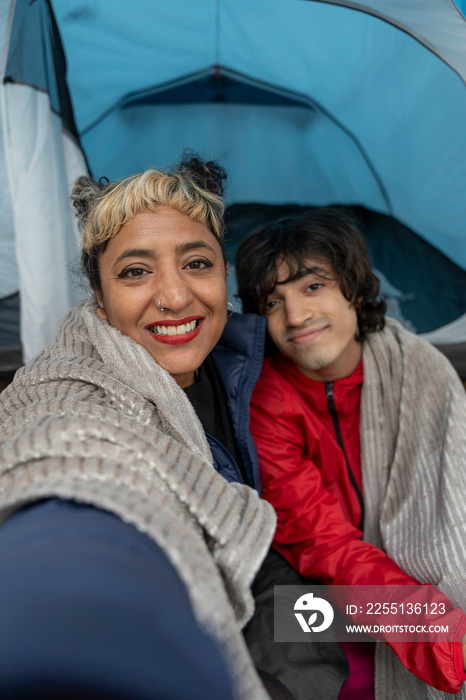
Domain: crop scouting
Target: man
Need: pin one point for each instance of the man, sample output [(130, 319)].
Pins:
[(360, 429)]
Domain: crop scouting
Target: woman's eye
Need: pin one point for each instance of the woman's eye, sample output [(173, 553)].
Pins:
[(315, 286), (132, 273), (270, 305)]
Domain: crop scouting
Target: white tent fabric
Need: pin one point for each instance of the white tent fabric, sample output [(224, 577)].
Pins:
[(42, 162), (450, 334)]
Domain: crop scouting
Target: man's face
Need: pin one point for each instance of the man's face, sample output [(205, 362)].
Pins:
[(312, 323)]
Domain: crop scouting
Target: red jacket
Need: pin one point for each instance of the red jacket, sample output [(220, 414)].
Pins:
[(315, 487)]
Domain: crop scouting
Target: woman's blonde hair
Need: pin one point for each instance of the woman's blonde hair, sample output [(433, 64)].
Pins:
[(193, 188)]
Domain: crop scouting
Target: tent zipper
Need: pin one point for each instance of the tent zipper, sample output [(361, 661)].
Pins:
[(336, 424)]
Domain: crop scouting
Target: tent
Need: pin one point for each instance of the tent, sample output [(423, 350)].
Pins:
[(305, 102)]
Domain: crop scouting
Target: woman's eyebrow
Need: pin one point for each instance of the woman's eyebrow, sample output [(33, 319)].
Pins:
[(135, 252), (152, 254)]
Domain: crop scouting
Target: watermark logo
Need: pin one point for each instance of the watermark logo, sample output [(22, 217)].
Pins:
[(358, 613), (312, 604)]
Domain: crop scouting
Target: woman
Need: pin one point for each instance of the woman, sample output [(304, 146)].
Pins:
[(101, 417)]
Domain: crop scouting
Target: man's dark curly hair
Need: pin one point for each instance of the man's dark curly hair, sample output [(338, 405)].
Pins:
[(328, 235)]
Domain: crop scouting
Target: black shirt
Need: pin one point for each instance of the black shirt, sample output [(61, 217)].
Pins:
[(209, 400)]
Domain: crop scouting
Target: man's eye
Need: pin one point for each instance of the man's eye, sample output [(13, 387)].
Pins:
[(132, 272), (198, 264), (315, 286), (270, 305)]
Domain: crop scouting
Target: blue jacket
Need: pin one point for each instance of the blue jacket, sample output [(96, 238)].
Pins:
[(238, 358)]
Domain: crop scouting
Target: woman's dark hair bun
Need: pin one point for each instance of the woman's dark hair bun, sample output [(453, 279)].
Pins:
[(208, 175), (83, 196)]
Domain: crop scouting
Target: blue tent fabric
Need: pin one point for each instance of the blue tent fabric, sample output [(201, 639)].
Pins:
[(36, 57), (9, 321), (305, 102), (10, 341), (374, 133)]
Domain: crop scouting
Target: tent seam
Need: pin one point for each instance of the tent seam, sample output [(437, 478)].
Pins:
[(414, 35)]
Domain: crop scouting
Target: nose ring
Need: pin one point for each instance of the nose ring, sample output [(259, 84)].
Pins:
[(159, 306)]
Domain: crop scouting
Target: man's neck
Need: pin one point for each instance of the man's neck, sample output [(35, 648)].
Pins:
[(340, 369)]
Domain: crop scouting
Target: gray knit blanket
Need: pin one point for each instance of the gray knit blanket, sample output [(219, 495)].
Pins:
[(95, 419), (413, 441)]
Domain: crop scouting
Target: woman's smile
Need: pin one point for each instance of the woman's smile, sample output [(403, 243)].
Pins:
[(176, 332), (163, 281)]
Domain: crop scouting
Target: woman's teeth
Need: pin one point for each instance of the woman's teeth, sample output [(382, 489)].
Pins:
[(175, 330)]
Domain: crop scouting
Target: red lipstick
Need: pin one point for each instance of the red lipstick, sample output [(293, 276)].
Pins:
[(180, 339)]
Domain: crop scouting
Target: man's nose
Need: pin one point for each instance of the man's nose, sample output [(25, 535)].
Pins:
[(298, 311)]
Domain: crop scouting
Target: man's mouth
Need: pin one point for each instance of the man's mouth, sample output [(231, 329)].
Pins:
[(307, 335)]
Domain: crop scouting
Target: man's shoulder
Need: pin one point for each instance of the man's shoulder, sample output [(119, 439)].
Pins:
[(395, 349), (395, 335), (394, 329)]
